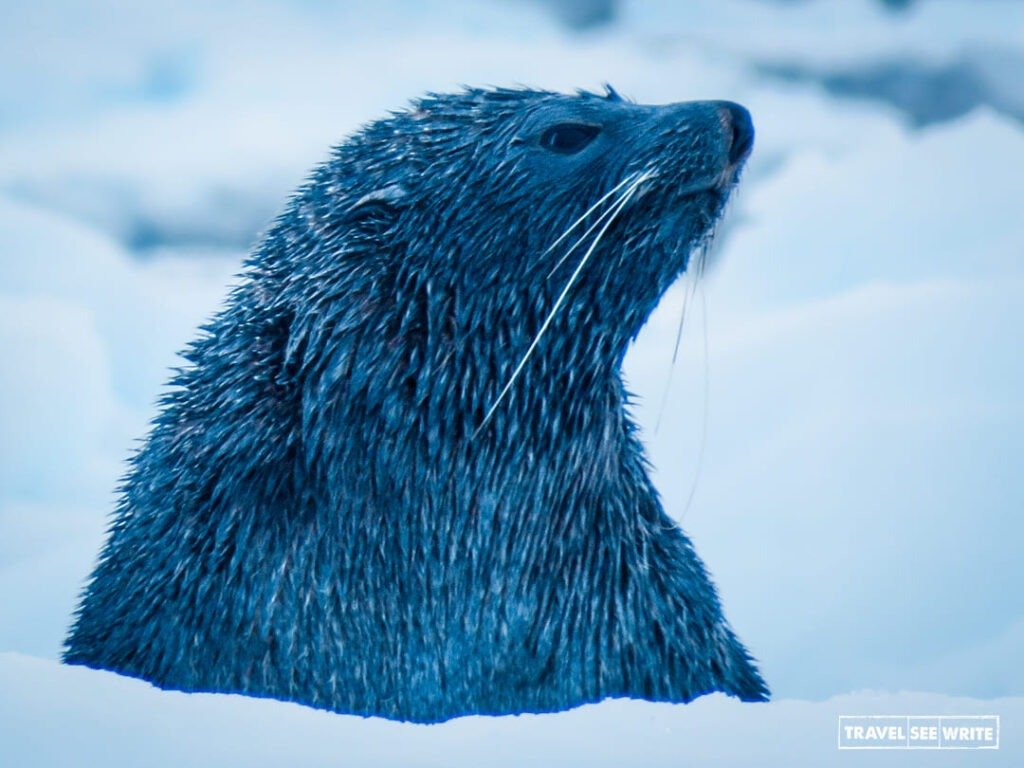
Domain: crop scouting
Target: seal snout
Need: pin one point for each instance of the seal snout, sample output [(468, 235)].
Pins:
[(739, 128)]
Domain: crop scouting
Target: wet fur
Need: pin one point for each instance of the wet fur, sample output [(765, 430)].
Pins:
[(322, 514)]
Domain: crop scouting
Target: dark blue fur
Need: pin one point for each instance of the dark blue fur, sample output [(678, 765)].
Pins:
[(312, 517)]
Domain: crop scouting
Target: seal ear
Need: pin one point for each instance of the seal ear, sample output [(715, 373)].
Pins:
[(610, 94), (380, 204)]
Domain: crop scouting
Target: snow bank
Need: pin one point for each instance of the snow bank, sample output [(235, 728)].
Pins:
[(69, 716), (88, 335)]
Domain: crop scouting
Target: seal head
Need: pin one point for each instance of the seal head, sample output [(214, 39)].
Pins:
[(398, 476)]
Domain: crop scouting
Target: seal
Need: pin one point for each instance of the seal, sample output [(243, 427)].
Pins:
[(397, 475)]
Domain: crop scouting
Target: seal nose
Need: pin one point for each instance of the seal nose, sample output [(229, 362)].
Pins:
[(740, 128)]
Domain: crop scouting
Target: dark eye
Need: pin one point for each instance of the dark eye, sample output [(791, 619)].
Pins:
[(568, 138)]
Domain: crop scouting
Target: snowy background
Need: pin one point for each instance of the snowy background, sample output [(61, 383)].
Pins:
[(841, 435)]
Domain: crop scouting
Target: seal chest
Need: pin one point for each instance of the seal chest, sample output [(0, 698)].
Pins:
[(397, 476)]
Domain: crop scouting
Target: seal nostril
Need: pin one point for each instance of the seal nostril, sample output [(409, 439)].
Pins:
[(742, 141), (742, 128)]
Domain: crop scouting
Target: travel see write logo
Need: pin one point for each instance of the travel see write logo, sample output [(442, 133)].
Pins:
[(919, 732)]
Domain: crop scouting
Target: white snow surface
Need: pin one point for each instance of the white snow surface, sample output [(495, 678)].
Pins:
[(841, 434), (56, 716)]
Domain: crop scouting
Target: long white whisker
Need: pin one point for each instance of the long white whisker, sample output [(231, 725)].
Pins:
[(687, 295), (705, 418), (639, 180), (590, 210), (554, 310)]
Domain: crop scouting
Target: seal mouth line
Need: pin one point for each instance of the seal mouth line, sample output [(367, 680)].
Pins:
[(610, 216), (723, 180)]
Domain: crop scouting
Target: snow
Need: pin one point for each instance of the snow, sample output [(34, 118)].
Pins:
[(67, 716), (841, 434)]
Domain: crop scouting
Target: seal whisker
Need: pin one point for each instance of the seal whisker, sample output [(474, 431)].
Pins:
[(611, 211), (687, 296), (561, 299), (590, 210), (694, 277), (705, 416)]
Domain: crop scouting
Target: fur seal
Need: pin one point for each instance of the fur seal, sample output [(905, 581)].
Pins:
[(397, 476)]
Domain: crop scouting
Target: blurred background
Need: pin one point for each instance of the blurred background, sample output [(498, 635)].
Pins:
[(842, 432)]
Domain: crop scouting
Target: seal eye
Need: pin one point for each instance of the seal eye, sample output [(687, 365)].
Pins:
[(568, 138)]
